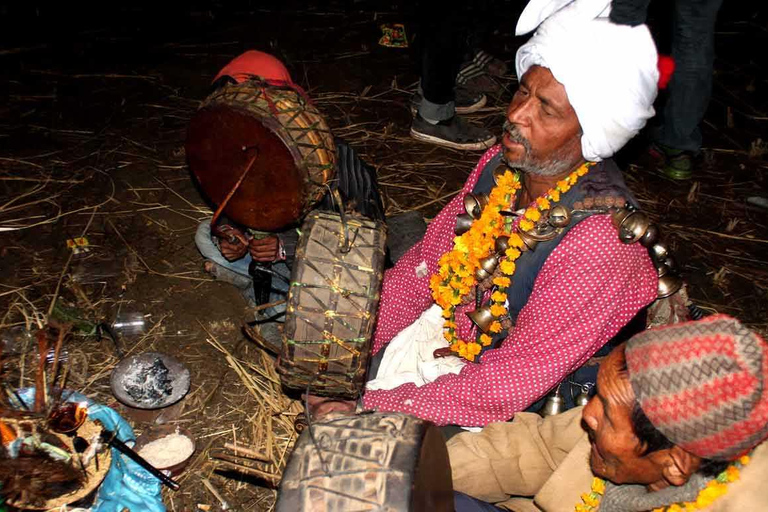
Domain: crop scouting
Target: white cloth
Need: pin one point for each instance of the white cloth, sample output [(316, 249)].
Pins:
[(609, 71), (408, 357), (539, 10)]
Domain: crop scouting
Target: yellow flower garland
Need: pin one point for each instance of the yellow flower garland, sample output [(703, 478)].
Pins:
[(456, 275), (713, 490)]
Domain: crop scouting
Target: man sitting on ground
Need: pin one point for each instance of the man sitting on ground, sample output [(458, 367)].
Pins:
[(679, 423), (573, 293)]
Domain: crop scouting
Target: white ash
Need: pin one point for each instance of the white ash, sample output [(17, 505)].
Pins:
[(148, 383), (168, 451)]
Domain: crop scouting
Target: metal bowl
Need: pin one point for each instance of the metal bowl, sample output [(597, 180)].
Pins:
[(178, 375)]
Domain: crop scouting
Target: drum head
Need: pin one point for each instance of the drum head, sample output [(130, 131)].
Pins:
[(221, 141)]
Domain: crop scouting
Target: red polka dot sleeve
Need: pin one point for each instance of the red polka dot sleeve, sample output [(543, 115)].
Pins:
[(405, 293), (589, 287)]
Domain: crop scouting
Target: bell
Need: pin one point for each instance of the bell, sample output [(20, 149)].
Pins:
[(650, 236), (489, 263), (633, 227), (463, 223), (554, 404), (502, 244), (583, 397), (482, 318), (662, 269), (659, 253), (474, 204), (559, 216), (529, 243), (481, 274), (618, 216), (669, 284)]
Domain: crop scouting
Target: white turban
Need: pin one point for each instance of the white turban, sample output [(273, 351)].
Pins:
[(609, 72)]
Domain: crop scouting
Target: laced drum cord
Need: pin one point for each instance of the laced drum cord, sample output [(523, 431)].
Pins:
[(311, 431)]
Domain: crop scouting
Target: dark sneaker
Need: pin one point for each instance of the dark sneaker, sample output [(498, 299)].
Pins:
[(676, 164), (467, 101), (454, 133)]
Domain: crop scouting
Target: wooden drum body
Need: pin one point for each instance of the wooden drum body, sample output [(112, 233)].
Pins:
[(377, 462), (273, 141), (332, 304)]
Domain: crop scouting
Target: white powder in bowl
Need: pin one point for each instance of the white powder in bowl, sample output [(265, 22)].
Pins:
[(168, 451)]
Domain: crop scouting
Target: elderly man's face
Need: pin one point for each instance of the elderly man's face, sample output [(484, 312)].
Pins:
[(542, 134), (616, 452)]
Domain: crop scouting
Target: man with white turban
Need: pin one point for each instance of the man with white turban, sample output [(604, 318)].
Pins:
[(586, 87)]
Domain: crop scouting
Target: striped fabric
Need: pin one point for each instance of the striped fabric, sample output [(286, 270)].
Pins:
[(702, 385)]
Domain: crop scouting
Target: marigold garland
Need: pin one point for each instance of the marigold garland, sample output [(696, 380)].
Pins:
[(714, 489), (455, 278)]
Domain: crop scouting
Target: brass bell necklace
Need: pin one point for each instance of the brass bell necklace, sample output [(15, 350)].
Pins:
[(493, 240)]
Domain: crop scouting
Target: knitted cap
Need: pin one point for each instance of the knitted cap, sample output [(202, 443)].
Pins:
[(702, 385)]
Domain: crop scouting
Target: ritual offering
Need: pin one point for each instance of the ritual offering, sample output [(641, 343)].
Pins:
[(262, 151), (166, 448), (150, 381), (332, 304), (380, 461)]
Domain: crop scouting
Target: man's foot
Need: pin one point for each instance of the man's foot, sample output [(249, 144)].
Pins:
[(221, 273), (676, 164), (454, 133), (467, 101)]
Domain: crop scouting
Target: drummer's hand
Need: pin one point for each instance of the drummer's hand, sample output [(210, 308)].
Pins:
[(265, 250), (320, 406), (236, 249)]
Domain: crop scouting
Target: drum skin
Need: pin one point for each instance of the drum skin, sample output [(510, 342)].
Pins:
[(332, 304), (377, 462), (286, 138)]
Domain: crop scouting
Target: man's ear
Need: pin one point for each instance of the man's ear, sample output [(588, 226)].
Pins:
[(679, 465)]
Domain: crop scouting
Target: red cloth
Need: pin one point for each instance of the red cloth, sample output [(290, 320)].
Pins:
[(257, 63), (589, 287)]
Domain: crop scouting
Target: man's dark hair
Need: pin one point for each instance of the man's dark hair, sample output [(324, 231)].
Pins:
[(653, 441)]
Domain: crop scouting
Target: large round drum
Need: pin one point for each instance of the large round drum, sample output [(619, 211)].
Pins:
[(381, 461), (332, 304), (274, 139)]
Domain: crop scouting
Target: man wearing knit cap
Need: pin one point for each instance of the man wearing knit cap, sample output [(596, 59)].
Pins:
[(586, 87), (679, 423)]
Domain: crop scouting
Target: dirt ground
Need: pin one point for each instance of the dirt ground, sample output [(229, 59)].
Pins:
[(94, 111)]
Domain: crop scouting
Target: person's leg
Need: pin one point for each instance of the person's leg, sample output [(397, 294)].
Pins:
[(209, 251), (690, 88), (465, 503), (443, 37)]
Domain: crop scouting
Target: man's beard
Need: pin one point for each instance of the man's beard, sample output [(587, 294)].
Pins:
[(530, 163)]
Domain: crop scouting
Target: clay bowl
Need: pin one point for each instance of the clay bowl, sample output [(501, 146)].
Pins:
[(159, 432)]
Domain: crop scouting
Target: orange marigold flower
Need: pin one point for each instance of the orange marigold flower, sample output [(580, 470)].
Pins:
[(495, 327), (485, 340), (526, 225), (515, 240), (507, 267), (542, 203), (473, 348), (512, 253), (563, 185), (502, 282), (497, 310), (581, 171), (554, 195), (532, 214), (499, 297)]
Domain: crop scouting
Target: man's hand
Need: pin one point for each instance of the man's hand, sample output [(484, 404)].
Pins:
[(265, 250), (320, 406), (233, 244)]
